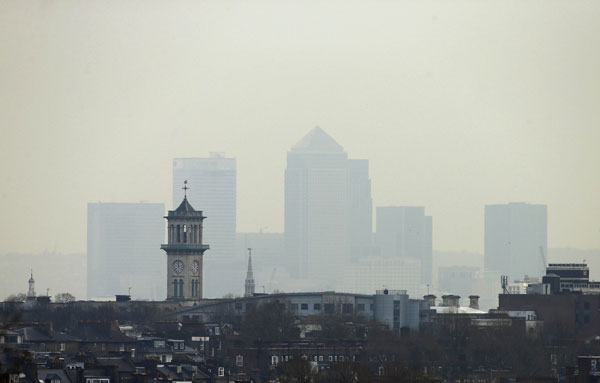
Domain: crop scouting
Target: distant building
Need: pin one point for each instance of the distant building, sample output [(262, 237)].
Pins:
[(212, 182), (327, 208), (516, 239), (376, 273), (460, 280), (406, 232), (566, 300), (123, 250), (395, 309), (391, 307), (185, 249)]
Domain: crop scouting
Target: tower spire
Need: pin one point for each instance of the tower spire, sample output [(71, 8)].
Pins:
[(31, 292), (185, 189), (249, 285)]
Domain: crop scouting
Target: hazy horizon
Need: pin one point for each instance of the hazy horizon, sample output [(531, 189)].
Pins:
[(455, 104)]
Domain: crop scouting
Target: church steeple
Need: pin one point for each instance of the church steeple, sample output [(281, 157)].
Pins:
[(249, 285)]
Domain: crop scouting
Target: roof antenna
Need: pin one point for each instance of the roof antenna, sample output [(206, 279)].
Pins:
[(185, 189)]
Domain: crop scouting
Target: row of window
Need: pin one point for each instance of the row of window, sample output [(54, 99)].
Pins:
[(329, 308), (276, 359), (347, 308), (176, 232), (178, 288)]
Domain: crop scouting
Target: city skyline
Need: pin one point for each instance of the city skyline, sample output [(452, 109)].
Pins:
[(455, 106)]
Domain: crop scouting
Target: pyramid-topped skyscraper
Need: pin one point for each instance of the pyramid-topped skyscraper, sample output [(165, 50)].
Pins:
[(328, 208)]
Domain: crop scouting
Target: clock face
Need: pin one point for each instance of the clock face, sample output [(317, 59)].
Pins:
[(195, 267), (178, 267)]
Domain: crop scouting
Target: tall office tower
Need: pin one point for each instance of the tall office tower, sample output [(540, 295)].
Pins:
[(516, 239), (212, 187), (327, 208), (123, 250), (406, 232)]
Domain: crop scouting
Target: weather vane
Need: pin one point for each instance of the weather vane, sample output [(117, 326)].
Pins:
[(185, 188)]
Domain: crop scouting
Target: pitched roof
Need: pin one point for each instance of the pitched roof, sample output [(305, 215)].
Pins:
[(51, 374), (317, 141), (185, 207)]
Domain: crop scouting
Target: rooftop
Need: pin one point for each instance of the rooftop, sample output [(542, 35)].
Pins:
[(317, 141)]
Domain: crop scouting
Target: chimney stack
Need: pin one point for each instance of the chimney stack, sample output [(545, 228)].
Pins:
[(430, 299), (450, 300), (474, 301)]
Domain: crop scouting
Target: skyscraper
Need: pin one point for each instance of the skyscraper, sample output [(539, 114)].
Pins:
[(406, 232), (516, 239), (212, 189), (123, 250), (327, 207)]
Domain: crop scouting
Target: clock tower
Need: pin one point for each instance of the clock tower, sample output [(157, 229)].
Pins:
[(184, 252)]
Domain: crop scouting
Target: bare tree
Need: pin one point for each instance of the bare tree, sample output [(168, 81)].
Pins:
[(20, 297), (64, 298)]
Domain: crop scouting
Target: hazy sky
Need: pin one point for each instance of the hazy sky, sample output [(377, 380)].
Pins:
[(456, 104)]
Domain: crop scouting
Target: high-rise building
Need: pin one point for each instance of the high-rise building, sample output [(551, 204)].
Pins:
[(406, 232), (327, 208), (516, 236), (123, 250), (184, 249), (212, 187)]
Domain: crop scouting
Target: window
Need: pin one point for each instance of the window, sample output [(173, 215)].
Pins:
[(315, 358), (239, 361), (331, 358), (294, 306), (184, 233), (320, 358), (304, 306), (274, 359), (329, 308), (360, 307), (121, 347), (178, 234), (347, 308), (238, 305), (221, 371), (317, 307), (181, 287), (62, 347)]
